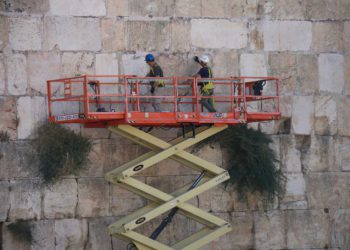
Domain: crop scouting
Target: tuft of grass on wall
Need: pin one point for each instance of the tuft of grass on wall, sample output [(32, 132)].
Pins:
[(21, 230), (60, 151), (252, 163), (4, 136)]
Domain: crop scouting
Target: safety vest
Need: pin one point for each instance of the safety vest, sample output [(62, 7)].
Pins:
[(158, 83), (208, 86)]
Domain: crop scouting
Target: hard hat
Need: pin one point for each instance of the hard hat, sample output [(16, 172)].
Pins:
[(149, 58), (204, 59)]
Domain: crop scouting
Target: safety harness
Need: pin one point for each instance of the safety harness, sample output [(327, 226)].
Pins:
[(208, 86)]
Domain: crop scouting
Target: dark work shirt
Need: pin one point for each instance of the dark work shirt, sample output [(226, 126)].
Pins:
[(204, 73), (156, 70)]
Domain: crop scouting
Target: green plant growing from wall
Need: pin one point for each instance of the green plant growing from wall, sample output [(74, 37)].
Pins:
[(21, 230), (252, 163), (60, 151)]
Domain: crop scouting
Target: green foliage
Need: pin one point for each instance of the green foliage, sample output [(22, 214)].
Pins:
[(21, 230), (251, 162), (60, 151), (4, 136)]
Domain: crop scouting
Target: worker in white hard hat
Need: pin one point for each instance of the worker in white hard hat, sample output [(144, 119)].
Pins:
[(206, 87)]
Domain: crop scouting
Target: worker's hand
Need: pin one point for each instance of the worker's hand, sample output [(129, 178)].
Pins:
[(153, 89)]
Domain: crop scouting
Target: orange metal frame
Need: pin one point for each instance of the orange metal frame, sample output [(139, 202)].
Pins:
[(124, 92)]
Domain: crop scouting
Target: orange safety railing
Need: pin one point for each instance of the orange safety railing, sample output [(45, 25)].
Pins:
[(102, 100)]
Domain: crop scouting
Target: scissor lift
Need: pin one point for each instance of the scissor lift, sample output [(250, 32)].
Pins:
[(121, 103)]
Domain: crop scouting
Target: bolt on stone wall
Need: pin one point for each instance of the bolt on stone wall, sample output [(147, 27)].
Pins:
[(305, 43)]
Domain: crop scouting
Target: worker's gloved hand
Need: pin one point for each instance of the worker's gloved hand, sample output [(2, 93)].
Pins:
[(153, 89), (196, 59)]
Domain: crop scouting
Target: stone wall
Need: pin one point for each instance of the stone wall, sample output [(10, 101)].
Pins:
[(306, 43)]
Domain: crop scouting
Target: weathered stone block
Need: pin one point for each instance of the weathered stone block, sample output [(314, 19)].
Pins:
[(4, 33), (302, 114), (323, 9), (93, 195), (331, 72), (219, 8), (151, 8), (327, 190), (43, 66), (107, 64), (207, 33), (113, 35), (30, 112), (293, 205), (284, 65), (250, 8), (253, 65), (60, 199), (188, 8), (295, 188), (78, 64), (180, 36), (17, 160), (2, 74), (98, 237), (25, 6), (340, 237), (43, 234), (141, 35), (342, 157), (10, 242), (117, 8), (225, 64), (285, 9), (5, 201), (16, 65), (8, 121), (174, 65), (325, 115), (78, 8), (71, 234), (256, 36), (343, 120), (347, 75), (290, 155), (269, 230), (327, 37), (25, 200), (83, 33), (25, 33), (307, 75), (134, 64), (346, 38), (287, 35), (307, 229)]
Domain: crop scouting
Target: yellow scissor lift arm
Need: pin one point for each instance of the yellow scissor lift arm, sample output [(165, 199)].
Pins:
[(162, 202)]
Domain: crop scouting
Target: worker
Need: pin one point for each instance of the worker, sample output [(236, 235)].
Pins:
[(155, 71), (206, 88)]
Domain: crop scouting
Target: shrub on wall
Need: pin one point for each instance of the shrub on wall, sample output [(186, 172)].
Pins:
[(252, 163), (60, 151)]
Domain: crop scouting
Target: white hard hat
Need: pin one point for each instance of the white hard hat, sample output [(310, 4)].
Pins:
[(204, 58)]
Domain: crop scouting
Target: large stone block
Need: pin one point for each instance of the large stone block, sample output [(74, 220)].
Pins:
[(43, 235), (340, 237), (174, 65), (270, 230), (43, 66), (78, 64), (256, 36), (93, 197), (83, 33), (287, 35), (117, 7), (8, 121), (328, 190), (151, 8), (323, 9), (290, 155), (302, 114), (347, 75), (113, 35), (10, 242), (180, 36), (342, 158), (141, 35), (307, 229), (25, 6), (188, 8), (343, 120), (106, 64), (31, 111), (327, 37), (346, 37), (25, 33), (295, 188), (2, 74), (284, 9), (134, 64), (225, 64), (284, 65), (98, 237), (253, 65), (4, 32), (5, 201), (60, 199), (219, 8), (25, 200), (71, 234), (17, 160), (16, 65), (331, 72), (325, 115), (216, 34), (78, 8), (307, 75)]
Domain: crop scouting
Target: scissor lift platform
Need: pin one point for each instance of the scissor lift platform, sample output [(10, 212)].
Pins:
[(122, 102)]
